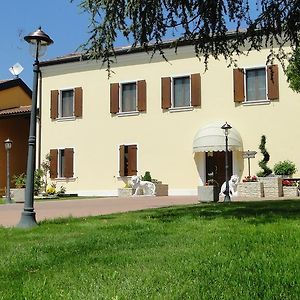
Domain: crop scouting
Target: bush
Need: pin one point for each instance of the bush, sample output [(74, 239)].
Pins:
[(266, 157), (147, 176), (285, 167)]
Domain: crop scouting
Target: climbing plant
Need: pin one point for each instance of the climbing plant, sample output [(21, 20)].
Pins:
[(266, 157)]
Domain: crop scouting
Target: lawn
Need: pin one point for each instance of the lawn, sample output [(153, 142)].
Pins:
[(217, 251)]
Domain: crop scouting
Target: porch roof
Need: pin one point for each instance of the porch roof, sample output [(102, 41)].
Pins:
[(212, 138)]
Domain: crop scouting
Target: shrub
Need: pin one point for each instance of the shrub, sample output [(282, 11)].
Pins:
[(285, 167), (263, 163), (147, 176)]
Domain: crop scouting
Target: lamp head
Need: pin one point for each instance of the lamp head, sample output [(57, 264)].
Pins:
[(226, 128), (39, 41), (8, 144)]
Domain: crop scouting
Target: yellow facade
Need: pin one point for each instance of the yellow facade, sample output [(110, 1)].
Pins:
[(164, 138)]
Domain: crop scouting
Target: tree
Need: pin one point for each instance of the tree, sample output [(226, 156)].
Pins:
[(293, 71), (205, 24)]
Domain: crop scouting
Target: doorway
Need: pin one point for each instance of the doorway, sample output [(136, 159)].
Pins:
[(215, 166)]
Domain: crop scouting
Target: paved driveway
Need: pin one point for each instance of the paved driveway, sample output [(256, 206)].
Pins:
[(10, 213)]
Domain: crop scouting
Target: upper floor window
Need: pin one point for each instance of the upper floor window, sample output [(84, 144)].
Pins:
[(128, 97), (181, 92), (66, 103), (256, 84)]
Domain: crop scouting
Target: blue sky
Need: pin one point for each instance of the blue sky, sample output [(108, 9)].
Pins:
[(63, 21)]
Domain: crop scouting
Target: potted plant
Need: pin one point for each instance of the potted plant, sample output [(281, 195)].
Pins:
[(250, 187), (18, 193), (290, 188), (209, 192), (285, 168)]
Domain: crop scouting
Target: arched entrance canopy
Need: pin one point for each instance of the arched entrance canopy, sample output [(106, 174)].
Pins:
[(211, 138)]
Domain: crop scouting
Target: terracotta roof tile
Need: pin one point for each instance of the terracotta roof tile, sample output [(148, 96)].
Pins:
[(16, 110)]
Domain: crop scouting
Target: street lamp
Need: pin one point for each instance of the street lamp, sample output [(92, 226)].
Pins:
[(226, 128), (8, 144), (38, 41)]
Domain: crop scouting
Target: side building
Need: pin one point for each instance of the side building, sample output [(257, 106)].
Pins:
[(15, 107), (162, 117)]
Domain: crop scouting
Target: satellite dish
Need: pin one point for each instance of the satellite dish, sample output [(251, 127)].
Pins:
[(16, 69)]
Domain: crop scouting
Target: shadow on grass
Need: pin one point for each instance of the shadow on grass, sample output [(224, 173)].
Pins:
[(256, 212)]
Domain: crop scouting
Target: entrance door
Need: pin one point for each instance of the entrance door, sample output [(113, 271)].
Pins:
[(215, 166)]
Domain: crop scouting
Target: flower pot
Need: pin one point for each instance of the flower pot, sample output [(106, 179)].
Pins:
[(18, 195), (208, 193), (290, 191), (250, 189)]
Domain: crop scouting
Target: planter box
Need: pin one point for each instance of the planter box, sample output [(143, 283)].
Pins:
[(290, 191), (161, 189), (208, 193), (250, 189), (125, 192), (272, 186), (18, 195)]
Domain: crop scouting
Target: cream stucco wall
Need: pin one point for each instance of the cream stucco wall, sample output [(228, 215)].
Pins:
[(164, 138)]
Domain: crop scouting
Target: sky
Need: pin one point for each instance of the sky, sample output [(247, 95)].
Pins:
[(63, 21)]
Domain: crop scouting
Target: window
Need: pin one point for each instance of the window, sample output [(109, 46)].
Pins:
[(128, 160), (128, 97), (62, 163), (256, 84), (66, 103), (180, 92)]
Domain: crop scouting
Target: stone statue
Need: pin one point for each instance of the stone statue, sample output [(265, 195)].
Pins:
[(233, 182), (147, 186)]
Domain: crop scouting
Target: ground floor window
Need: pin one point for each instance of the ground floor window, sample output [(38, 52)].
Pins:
[(128, 160), (62, 163)]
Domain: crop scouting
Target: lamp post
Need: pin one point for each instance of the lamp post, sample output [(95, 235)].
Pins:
[(226, 128), (38, 41), (8, 144)]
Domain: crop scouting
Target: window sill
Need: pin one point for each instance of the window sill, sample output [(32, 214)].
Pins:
[(259, 102), (73, 118), (63, 179), (128, 113), (179, 109)]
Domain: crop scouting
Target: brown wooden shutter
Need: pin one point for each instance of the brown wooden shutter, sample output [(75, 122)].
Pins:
[(196, 89), (142, 96), (132, 160), (54, 104), (78, 102), (238, 85), (114, 98), (69, 165), (273, 82), (53, 163), (122, 160), (165, 92)]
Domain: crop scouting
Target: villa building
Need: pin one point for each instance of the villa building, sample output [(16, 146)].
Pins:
[(162, 117)]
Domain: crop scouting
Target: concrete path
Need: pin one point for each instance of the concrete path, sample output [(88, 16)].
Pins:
[(10, 213)]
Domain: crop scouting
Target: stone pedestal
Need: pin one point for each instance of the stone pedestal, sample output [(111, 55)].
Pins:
[(272, 186), (250, 189), (161, 189), (125, 192), (290, 191), (208, 193)]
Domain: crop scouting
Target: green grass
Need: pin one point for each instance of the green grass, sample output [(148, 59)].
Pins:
[(217, 251)]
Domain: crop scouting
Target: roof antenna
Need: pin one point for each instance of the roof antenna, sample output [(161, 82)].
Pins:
[(16, 70)]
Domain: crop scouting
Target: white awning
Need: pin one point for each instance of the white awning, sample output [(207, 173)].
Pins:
[(212, 138)]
